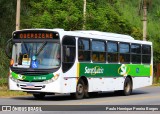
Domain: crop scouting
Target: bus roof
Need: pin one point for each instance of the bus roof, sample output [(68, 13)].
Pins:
[(96, 35), (107, 34)]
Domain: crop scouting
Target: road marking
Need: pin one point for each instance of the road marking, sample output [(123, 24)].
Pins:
[(113, 100)]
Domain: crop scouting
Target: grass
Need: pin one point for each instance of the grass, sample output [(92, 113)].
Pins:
[(5, 92), (3, 82), (156, 82)]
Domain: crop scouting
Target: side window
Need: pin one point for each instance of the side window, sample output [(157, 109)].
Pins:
[(124, 50), (146, 54), (135, 53), (98, 51), (84, 49), (68, 52), (112, 49)]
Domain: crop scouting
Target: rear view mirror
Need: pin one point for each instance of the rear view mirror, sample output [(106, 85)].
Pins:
[(8, 49)]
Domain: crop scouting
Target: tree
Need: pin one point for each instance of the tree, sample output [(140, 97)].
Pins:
[(7, 19), (53, 14)]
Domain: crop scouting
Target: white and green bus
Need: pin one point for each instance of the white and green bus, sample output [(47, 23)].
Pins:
[(51, 61)]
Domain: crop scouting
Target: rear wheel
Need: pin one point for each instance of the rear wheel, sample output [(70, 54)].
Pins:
[(127, 87), (39, 95), (127, 90)]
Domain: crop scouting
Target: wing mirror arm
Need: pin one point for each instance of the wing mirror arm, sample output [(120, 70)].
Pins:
[(8, 48)]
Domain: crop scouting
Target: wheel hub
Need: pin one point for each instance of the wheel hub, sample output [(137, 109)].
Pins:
[(127, 87), (80, 88)]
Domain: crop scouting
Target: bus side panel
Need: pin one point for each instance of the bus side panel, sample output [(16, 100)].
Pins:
[(70, 79), (141, 82), (69, 85), (115, 83), (105, 84)]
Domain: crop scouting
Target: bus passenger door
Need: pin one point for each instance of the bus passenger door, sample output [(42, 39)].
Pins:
[(69, 52)]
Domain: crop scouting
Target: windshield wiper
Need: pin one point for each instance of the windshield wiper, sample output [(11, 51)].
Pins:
[(25, 47), (41, 48)]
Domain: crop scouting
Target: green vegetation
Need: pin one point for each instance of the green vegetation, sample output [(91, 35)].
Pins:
[(156, 82), (4, 92), (119, 16), (4, 62), (3, 81)]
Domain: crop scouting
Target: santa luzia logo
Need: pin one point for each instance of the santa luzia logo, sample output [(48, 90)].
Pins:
[(123, 70), (95, 70), (21, 77)]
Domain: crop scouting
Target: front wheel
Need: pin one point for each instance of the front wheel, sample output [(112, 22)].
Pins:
[(80, 90), (39, 95)]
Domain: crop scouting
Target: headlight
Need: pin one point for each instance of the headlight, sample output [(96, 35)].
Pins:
[(55, 77), (13, 79)]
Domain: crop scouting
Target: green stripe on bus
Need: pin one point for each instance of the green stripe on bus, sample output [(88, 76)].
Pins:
[(139, 70), (32, 78), (113, 70)]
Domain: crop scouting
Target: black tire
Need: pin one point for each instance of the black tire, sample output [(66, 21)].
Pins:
[(127, 87), (39, 95), (86, 93), (80, 90)]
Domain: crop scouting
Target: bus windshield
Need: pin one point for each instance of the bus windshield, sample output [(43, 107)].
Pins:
[(42, 55)]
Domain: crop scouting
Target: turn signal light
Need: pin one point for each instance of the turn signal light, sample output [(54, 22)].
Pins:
[(11, 62), (56, 76)]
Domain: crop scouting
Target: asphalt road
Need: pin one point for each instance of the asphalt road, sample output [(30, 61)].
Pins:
[(143, 96)]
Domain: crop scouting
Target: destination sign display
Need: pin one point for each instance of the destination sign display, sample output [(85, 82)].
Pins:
[(35, 35)]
